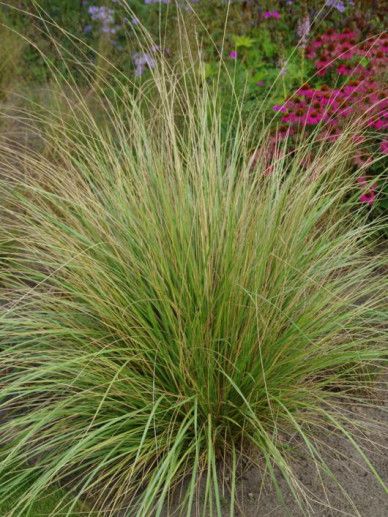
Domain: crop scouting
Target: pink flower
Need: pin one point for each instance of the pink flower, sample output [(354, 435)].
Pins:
[(344, 70), (279, 107), (350, 88), (380, 124), (368, 197), (330, 135), (384, 147), (358, 139), (347, 34), (272, 14), (344, 111), (347, 51), (322, 66), (362, 180), (314, 118), (362, 160), (379, 56), (233, 54), (296, 117), (305, 91), (329, 35)]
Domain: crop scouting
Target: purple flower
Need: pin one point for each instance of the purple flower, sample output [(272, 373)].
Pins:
[(272, 14), (303, 29), (279, 107), (141, 61), (104, 16), (233, 54), (337, 4)]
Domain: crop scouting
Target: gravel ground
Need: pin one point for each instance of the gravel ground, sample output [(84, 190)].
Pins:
[(356, 492)]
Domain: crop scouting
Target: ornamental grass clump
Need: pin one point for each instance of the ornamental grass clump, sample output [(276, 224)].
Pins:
[(175, 305)]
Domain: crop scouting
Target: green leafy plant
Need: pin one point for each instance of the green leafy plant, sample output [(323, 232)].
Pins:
[(243, 41)]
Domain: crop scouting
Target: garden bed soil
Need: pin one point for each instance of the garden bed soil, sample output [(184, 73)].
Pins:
[(354, 492)]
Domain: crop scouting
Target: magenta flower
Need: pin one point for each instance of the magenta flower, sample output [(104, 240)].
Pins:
[(362, 94), (314, 118), (322, 66), (362, 180), (317, 43), (272, 14), (362, 160), (233, 54), (345, 70), (384, 147), (381, 123), (279, 107), (359, 139), (347, 51), (306, 91), (330, 134), (296, 117), (368, 197)]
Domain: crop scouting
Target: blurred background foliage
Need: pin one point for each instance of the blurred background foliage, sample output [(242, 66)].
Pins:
[(261, 44)]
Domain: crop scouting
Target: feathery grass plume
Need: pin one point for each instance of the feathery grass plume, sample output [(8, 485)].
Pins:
[(177, 300)]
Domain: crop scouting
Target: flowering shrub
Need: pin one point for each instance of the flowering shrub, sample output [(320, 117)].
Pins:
[(347, 63), (355, 69)]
